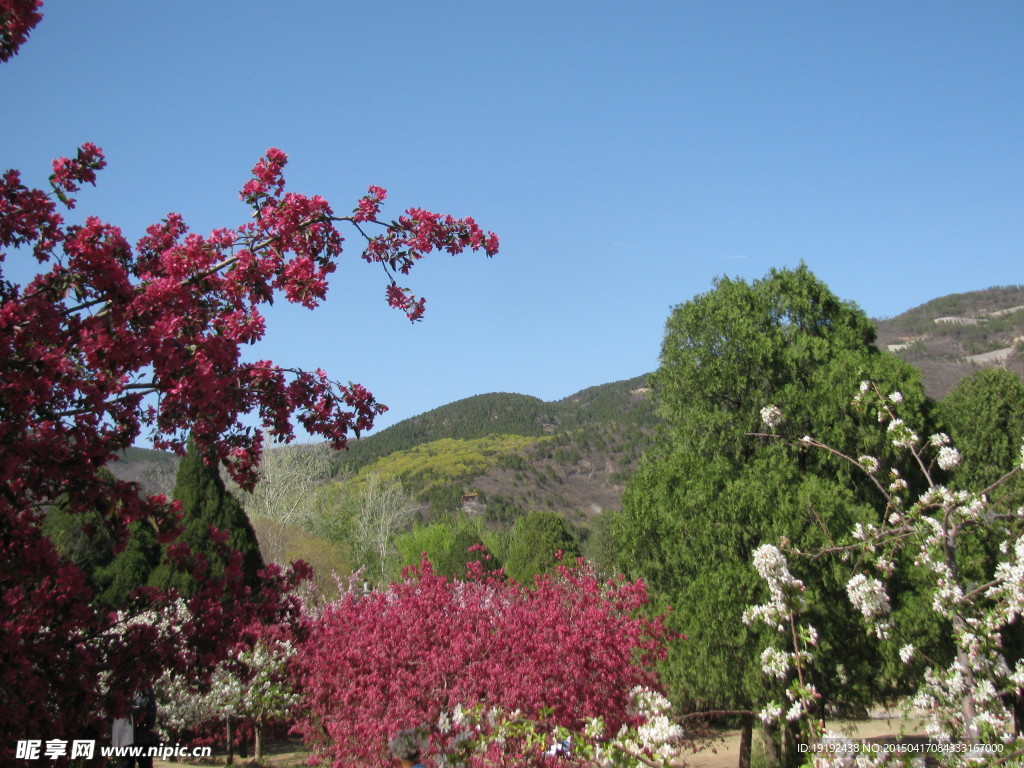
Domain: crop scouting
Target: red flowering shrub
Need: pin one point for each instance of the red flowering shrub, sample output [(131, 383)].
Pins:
[(569, 649), (110, 342)]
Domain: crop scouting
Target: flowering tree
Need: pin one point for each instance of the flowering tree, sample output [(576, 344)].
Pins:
[(112, 342), (965, 695), (430, 652), (250, 684)]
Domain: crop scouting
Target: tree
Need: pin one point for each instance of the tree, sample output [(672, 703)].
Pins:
[(383, 510), (208, 506), (966, 695), (984, 414), (449, 544), (111, 343), (537, 543), (288, 480), (707, 494), (250, 684), (428, 651)]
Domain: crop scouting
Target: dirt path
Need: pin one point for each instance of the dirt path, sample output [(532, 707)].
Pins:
[(725, 754)]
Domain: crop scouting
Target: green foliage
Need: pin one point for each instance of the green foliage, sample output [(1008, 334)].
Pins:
[(206, 503), (130, 568), (433, 467), (447, 543), (712, 490), (442, 498), (984, 415), (502, 510), (600, 545), (533, 544), (87, 540)]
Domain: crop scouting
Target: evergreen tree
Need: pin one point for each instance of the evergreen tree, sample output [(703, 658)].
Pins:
[(87, 540), (711, 491), (985, 417), (206, 503), (534, 543)]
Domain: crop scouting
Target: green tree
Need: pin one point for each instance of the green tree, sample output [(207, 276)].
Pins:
[(449, 544), (206, 503), (87, 540), (984, 414), (534, 542), (711, 490)]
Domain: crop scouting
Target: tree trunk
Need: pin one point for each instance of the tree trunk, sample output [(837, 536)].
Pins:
[(230, 742), (770, 750), (746, 735), (257, 739)]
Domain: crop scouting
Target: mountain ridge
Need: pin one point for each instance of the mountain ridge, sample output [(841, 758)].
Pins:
[(510, 452)]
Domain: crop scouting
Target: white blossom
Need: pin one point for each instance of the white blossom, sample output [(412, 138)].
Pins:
[(771, 713), (949, 457), (901, 435), (775, 663), (771, 415), (868, 596), (870, 464)]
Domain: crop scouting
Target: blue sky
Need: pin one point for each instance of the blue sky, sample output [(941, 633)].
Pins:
[(626, 153)]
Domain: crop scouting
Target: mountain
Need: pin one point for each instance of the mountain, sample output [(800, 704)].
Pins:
[(509, 454), (951, 337), (503, 454)]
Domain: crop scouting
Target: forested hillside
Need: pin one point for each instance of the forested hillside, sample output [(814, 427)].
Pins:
[(509, 453), (950, 337), (502, 454)]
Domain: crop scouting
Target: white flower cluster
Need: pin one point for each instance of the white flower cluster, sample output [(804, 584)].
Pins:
[(775, 663), (771, 415), (868, 595), (948, 458), (901, 435), (647, 702), (870, 464), (771, 566)]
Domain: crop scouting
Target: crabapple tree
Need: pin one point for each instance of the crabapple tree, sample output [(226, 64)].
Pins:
[(427, 650), (112, 342)]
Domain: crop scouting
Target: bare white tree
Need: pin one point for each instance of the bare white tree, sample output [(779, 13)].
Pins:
[(384, 509), (290, 479)]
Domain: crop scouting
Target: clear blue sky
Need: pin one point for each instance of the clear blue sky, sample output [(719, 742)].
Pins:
[(626, 153)]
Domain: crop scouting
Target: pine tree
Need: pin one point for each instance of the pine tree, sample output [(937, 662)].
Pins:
[(206, 503)]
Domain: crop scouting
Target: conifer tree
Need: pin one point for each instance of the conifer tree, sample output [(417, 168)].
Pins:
[(710, 491), (206, 503)]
